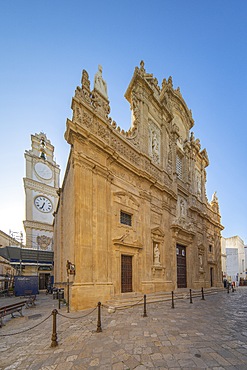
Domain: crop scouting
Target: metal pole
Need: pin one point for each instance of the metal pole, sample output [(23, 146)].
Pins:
[(145, 307), (173, 300), (203, 295), (54, 329), (99, 329), (67, 291), (190, 296)]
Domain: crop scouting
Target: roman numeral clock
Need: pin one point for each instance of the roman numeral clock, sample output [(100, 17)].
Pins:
[(41, 185)]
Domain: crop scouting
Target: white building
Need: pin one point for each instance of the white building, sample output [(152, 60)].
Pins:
[(223, 258), (235, 258)]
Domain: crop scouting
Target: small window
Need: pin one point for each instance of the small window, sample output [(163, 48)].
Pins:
[(210, 248), (179, 166), (125, 218)]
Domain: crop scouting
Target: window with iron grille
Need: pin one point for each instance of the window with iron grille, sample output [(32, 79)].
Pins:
[(179, 166), (125, 218)]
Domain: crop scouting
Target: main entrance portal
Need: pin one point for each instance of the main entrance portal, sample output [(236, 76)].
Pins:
[(181, 266), (126, 274)]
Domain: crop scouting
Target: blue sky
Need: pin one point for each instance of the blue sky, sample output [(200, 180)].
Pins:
[(201, 44)]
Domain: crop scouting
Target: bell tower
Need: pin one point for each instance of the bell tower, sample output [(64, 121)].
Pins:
[(41, 185)]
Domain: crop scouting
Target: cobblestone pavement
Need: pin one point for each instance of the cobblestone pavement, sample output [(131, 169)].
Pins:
[(210, 334)]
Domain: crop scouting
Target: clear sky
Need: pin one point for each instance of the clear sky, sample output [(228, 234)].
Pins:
[(202, 44)]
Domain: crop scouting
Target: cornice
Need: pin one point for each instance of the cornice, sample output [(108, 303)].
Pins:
[(38, 225), (49, 161), (43, 188)]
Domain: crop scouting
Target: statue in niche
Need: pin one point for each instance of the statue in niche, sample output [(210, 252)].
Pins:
[(182, 208), (200, 259), (155, 146), (99, 83), (156, 255), (198, 183)]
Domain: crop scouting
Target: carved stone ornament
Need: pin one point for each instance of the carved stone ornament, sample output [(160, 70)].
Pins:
[(154, 143), (43, 241), (198, 183), (169, 159)]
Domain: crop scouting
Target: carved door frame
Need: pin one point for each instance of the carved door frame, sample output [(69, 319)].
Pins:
[(181, 266), (126, 273)]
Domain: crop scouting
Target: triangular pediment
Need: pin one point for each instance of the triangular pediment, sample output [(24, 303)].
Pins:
[(158, 231), (124, 194)]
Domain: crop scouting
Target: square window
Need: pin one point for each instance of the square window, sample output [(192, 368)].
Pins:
[(125, 218)]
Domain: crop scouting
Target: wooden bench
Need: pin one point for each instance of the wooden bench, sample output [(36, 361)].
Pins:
[(3, 292), (10, 310)]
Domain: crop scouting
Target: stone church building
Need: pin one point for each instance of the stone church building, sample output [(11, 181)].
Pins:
[(133, 215)]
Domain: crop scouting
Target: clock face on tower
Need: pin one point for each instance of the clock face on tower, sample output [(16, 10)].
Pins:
[(43, 171), (43, 204)]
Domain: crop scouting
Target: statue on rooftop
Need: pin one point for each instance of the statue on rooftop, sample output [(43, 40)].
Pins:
[(99, 83)]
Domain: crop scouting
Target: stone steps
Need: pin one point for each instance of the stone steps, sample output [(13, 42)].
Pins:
[(125, 300)]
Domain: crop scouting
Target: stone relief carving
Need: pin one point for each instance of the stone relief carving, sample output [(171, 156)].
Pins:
[(126, 199), (100, 105), (85, 83), (125, 150), (103, 132), (152, 169), (78, 115), (169, 159), (154, 142), (124, 175), (132, 134), (200, 262), (43, 241), (198, 182), (87, 120)]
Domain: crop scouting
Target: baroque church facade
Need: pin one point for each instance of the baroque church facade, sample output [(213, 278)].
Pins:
[(133, 214)]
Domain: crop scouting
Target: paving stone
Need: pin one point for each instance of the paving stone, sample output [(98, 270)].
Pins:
[(210, 334)]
